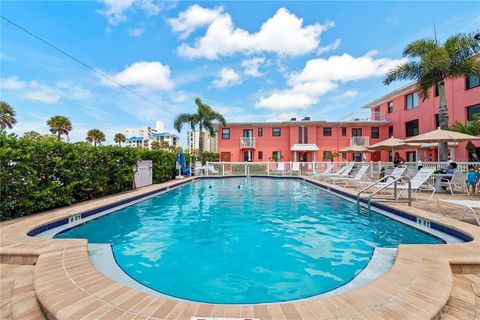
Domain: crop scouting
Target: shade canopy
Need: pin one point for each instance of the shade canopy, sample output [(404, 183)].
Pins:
[(355, 148), (440, 135), (304, 147), (393, 144)]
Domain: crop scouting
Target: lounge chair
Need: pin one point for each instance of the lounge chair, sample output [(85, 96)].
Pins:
[(469, 205), (280, 168), (458, 181), (396, 173), (418, 183), (327, 170), (344, 174), (212, 169), (295, 168), (359, 176)]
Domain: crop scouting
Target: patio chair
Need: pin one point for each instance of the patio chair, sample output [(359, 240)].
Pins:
[(295, 168), (396, 173), (458, 181), (418, 183), (328, 170), (359, 176), (280, 168), (469, 205), (199, 168), (212, 169), (344, 174)]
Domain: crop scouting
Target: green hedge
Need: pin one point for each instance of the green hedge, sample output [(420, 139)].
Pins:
[(40, 175)]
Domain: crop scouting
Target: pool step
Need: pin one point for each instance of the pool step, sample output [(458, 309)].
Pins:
[(18, 300)]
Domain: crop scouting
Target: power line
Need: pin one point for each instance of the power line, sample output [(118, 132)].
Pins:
[(104, 75)]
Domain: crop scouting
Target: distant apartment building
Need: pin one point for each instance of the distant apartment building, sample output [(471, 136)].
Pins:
[(210, 142), (144, 137), (400, 114)]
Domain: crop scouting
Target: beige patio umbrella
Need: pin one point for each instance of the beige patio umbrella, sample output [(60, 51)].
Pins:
[(355, 148), (392, 144), (440, 135)]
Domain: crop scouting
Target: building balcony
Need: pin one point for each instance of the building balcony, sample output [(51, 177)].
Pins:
[(364, 117), (360, 141), (247, 143)]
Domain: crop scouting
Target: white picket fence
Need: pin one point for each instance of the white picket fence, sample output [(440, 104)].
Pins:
[(309, 168)]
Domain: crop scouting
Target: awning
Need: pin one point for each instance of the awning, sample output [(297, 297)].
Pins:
[(304, 147)]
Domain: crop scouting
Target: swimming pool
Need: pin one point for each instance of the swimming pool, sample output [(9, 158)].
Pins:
[(245, 240)]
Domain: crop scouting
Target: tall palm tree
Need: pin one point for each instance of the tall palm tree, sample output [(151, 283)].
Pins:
[(95, 136), (206, 118), (431, 62), (119, 138), (7, 116), (59, 125)]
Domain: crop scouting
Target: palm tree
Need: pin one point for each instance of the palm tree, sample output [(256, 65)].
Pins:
[(205, 118), (472, 128), (32, 135), (7, 116), (431, 62), (95, 136), (119, 138), (59, 125)]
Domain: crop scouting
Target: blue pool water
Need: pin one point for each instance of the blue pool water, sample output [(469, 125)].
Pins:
[(245, 240)]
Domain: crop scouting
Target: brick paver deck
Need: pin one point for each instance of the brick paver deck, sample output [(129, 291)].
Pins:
[(67, 286)]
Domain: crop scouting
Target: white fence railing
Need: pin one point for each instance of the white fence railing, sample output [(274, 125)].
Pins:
[(310, 168), (247, 142)]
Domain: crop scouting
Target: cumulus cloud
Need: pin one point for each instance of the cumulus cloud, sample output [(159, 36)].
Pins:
[(36, 91), (145, 76), (283, 34), (350, 94), (320, 76), (136, 32), (251, 66), (115, 10), (226, 78), (330, 47)]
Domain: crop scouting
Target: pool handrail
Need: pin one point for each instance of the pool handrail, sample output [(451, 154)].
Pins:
[(385, 185)]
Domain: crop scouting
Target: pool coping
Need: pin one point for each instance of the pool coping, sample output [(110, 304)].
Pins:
[(418, 284)]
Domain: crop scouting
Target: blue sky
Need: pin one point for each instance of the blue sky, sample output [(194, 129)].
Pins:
[(252, 61)]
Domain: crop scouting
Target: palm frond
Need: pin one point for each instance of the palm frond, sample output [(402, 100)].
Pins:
[(183, 118), (461, 46), (417, 49), (410, 70)]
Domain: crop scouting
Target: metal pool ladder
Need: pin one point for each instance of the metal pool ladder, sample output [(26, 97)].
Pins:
[(394, 181)]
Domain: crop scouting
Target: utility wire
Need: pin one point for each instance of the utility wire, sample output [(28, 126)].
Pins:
[(104, 75)]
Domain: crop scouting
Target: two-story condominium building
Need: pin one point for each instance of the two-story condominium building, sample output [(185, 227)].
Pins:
[(400, 114)]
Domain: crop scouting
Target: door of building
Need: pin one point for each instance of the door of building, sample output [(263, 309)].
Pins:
[(225, 156)]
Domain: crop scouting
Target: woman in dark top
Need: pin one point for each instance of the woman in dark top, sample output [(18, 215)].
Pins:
[(397, 160)]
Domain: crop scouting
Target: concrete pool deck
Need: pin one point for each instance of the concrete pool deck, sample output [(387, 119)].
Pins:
[(67, 286)]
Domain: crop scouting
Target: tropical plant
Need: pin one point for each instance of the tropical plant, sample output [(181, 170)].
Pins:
[(32, 135), (431, 62), (205, 118), (119, 138), (59, 125), (7, 116), (95, 136), (472, 128)]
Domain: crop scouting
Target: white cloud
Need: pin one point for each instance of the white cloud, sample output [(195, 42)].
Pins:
[(73, 92), (320, 76), (144, 75), (136, 32), (251, 66), (115, 10), (350, 94), (283, 34), (330, 47), (193, 18), (12, 83), (284, 116), (42, 95), (226, 78)]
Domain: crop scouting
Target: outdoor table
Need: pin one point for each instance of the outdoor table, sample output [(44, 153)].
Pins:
[(438, 180)]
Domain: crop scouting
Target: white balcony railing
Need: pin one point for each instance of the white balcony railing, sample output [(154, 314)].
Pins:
[(360, 141), (364, 117), (247, 142)]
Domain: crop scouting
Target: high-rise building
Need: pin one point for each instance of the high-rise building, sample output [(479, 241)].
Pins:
[(210, 142), (144, 137)]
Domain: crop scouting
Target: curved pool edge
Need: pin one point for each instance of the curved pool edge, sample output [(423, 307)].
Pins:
[(420, 278)]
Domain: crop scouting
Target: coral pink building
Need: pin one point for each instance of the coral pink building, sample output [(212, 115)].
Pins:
[(401, 114)]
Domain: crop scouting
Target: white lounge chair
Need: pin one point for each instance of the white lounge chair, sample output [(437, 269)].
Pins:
[(458, 181), (295, 168), (469, 205), (280, 168), (418, 183), (396, 173), (328, 170), (344, 174), (359, 176), (212, 169)]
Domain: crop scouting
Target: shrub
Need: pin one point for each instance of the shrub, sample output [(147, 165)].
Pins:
[(40, 175)]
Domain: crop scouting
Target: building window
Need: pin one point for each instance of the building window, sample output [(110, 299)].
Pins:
[(276, 156), (344, 156), (356, 132), (411, 128), (437, 121), (390, 131), (260, 132), (225, 133), (344, 132), (473, 112), (473, 82), (305, 135), (327, 132), (411, 156), (436, 91), (376, 114), (390, 107), (260, 155), (375, 132), (276, 132), (327, 155), (300, 133), (411, 100)]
